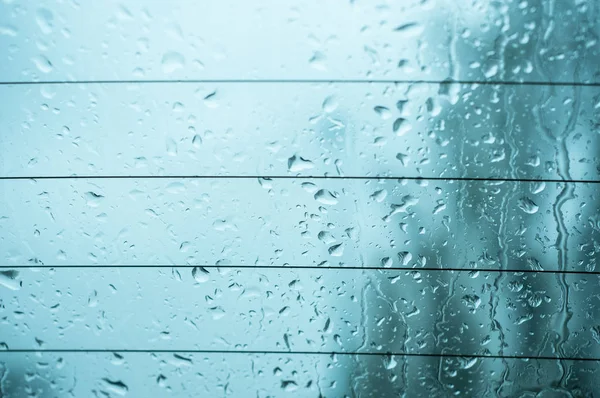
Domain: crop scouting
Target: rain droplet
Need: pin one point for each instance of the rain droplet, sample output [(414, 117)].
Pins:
[(45, 20), (8, 30), (407, 201), (383, 112), (403, 158), (43, 64), (472, 301), (310, 187), (117, 387), (93, 199), (326, 237), (330, 104), (289, 385), (211, 100), (171, 147), (390, 362), (379, 196), (160, 380), (404, 258), (352, 233), (400, 105), (401, 126), (297, 164), (537, 187), (528, 205), (8, 279), (174, 31), (596, 333), (336, 250), (534, 300), (403, 64), (467, 363), (491, 71), (410, 29), (175, 187), (172, 61), (387, 262), (325, 197), (338, 340), (317, 61), (440, 207), (197, 141), (200, 274), (216, 313), (224, 225)]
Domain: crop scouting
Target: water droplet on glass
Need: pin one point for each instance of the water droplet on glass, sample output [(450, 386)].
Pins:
[(404, 258), (326, 237), (403, 158), (43, 64), (325, 197), (403, 64), (440, 207), (491, 71), (297, 164), (224, 225), (330, 104), (116, 387), (383, 112), (123, 13), (379, 196), (401, 126), (289, 385), (537, 187), (596, 333), (211, 100), (387, 262), (175, 187), (471, 301), (197, 141), (390, 362), (171, 146), (172, 61), (338, 339), (467, 363), (216, 312), (528, 205), (160, 380), (7, 30), (410, 29), (8, 279), (45, 20), (310, 187), (200, 274), (336, 250), (317, 61), (93, 199), (535, 300)]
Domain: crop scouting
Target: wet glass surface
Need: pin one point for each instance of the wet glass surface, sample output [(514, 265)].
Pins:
[(314, 199)]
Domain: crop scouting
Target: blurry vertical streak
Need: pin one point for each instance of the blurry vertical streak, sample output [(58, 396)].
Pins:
[(507, 200), (567, 194), (563, 316)]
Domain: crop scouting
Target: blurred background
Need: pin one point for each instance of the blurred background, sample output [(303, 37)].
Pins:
[(451, 251)]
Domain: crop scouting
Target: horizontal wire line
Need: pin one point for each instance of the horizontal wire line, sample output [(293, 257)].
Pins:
[(299, 177), (300, 267), (307, 81), (271, 352)]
